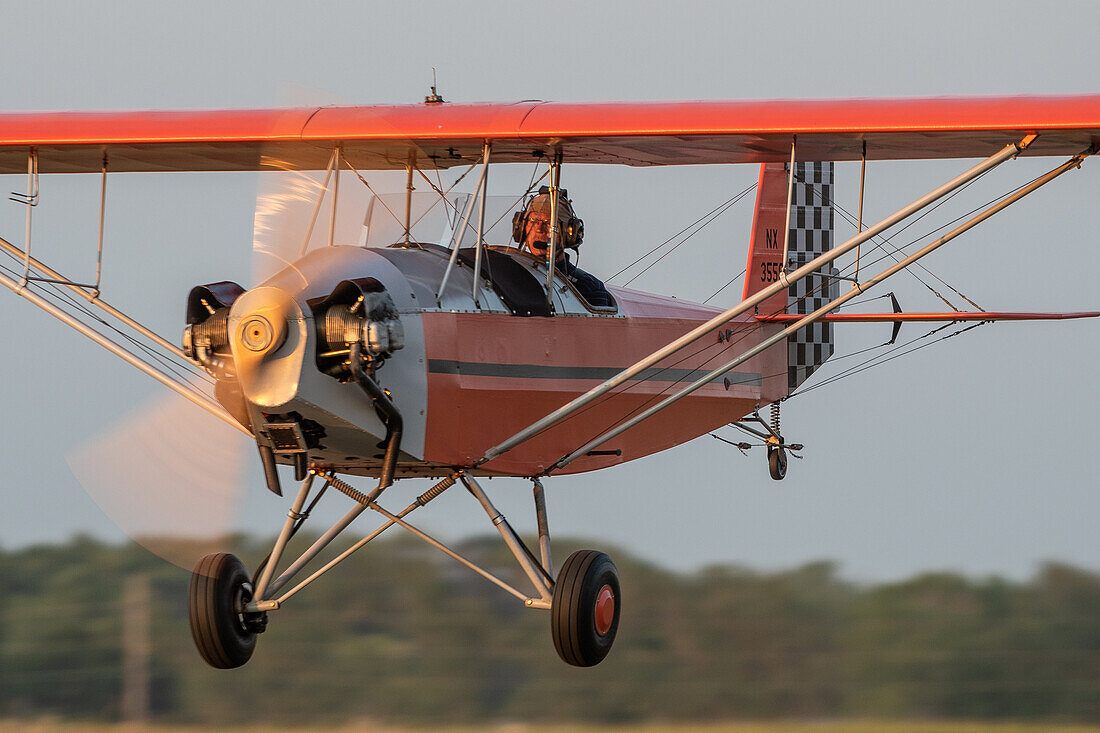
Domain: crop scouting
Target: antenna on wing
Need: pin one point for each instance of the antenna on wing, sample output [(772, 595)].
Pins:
[(433, 98)]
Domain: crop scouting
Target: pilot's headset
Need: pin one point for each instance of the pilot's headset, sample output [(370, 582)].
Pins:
[(571, 228)]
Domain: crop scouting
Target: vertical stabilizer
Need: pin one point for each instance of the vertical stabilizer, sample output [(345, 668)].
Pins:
[(811, 234), (766, 246)]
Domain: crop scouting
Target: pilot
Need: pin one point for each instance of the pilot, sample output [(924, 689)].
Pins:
[(531, 228)]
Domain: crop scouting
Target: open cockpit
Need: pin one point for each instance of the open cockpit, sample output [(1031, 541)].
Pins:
[(440, 255)]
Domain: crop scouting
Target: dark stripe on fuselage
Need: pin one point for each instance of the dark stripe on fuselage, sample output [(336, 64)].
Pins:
[(541, 371)]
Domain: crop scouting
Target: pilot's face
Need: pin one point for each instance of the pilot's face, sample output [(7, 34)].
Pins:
[(537, 233)]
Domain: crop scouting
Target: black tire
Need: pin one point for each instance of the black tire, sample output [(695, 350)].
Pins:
[(581, 621), (777, 463), (220, 588)]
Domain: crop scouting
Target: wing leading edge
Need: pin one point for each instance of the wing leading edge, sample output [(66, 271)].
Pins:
[(625, 133)]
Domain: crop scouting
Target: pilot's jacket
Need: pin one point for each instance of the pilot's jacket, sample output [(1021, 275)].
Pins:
[(590, 286)]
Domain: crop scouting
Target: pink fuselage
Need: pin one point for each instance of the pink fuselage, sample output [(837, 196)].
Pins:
[(491, 375), (472, 374)]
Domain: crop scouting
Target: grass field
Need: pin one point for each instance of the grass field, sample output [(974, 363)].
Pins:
[(862, 726)]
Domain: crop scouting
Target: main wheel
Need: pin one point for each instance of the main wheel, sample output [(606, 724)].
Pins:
[(220, 589), (584, 614), (777, 463)]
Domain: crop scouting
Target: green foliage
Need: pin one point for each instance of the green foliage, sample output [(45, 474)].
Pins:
[(402, 634)]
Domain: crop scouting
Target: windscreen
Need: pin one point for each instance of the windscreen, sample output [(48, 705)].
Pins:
[(435, 219)]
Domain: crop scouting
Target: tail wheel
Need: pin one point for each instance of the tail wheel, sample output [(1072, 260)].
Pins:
[(584, 614), (777, 463), (220, 589)]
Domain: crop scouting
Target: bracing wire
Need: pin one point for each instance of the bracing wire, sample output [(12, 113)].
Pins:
[(177, 369), (709, 218), (706, 218), (888, 241), (885, 356), (881, 359), (439, 190), (61, 295), (742, 331), (734, 279), (518, 201)]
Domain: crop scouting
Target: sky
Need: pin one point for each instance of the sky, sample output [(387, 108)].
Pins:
[(975, 454)]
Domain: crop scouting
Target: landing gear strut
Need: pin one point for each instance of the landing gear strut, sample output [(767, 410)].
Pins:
[(228, 609), (777, 447)]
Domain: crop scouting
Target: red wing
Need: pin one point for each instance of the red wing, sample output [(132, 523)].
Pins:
[(629, 133)]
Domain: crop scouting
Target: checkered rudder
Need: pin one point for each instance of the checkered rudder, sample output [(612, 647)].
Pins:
[(811, 234)]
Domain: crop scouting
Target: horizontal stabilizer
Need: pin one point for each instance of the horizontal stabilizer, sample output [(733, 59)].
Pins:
[(952, 316)]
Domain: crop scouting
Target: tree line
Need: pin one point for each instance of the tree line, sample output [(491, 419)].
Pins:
[(402, 634)]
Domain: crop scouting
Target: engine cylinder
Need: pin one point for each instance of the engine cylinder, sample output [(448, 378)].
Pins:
[(341, 327)]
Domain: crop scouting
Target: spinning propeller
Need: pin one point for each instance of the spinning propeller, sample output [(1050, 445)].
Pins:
[(172, 477)]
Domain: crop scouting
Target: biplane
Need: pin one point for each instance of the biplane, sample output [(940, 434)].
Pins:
[(452, 352)]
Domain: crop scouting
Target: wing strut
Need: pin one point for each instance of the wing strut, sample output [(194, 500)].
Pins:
[(555, 228), (480, 223), (859, 225), (856, 289), (785, 281), (457, 235), (30, 200), (92, 297), (332, 164), (783, 264), (186, 391)]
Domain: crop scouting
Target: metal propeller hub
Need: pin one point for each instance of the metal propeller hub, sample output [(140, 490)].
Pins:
[(268, 345), (257, 333)]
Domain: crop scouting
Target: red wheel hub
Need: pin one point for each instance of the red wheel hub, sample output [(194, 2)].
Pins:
[(605, 610)]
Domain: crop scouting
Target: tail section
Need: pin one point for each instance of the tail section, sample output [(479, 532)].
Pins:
[(766, 247), (811, 234)]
